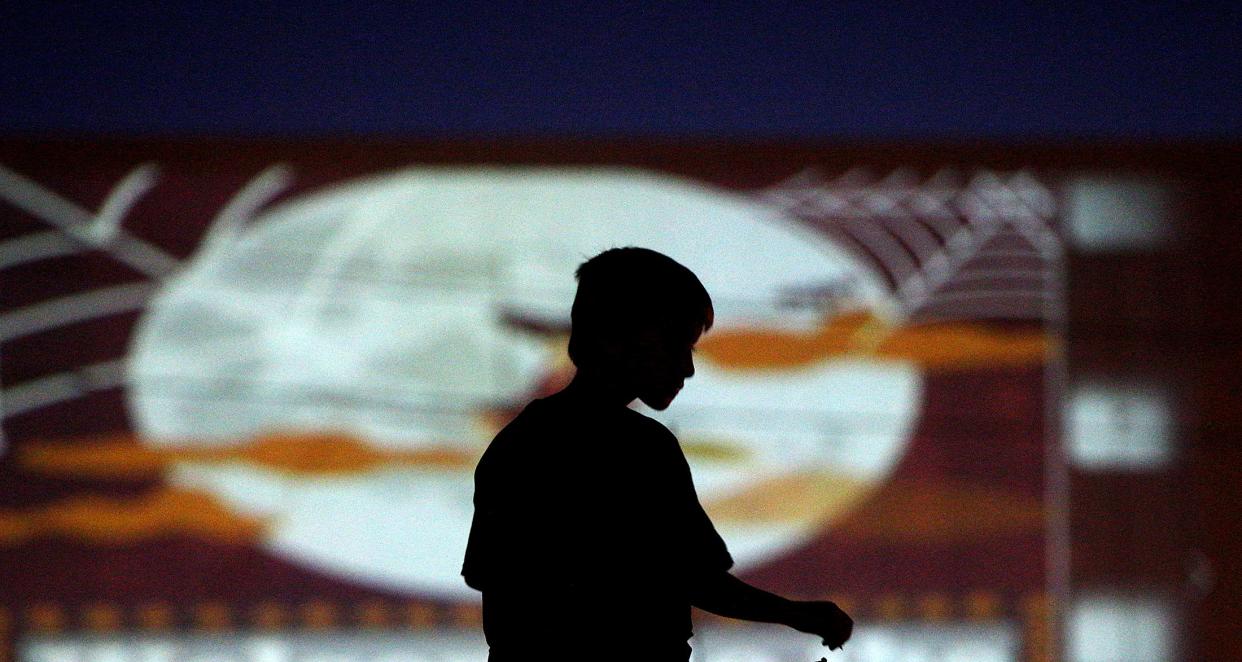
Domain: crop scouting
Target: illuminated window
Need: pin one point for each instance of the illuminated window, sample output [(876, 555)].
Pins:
[(1113, 214), (1107, 629), (1119, 426)]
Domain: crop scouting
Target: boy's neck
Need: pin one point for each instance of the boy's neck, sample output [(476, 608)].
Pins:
[(598, 390)]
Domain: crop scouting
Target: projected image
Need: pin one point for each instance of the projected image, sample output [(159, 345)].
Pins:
[(401, 319), (307, 392)]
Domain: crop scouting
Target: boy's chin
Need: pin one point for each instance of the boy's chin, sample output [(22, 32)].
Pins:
[(658, 403)]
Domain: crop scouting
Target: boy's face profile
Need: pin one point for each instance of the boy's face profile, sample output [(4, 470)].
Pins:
[(656, 362)]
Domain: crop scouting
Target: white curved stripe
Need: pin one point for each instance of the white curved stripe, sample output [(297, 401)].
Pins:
[(37, 246), (75, 308), (891, 255), (60, 387), (77, 223), (988, 203), (242, 207), (959, 248), (34, 198), (1016, 210), (900, 222), (795, 191), (932, 206), (107, 223), (857, 177), (1034, 194), (943, 225), (1040, 234)]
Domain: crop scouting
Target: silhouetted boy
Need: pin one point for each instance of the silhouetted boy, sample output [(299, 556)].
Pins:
[(588, 540)]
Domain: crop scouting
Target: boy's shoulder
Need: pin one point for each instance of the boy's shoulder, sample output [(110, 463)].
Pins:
[(553, 418)]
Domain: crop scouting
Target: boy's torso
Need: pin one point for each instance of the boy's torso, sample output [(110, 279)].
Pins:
[(586, 520)]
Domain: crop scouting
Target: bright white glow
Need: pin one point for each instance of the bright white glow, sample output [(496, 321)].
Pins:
[(1111, 213), (951, 642), (1107, 629), (1120, 426), (380, 309)]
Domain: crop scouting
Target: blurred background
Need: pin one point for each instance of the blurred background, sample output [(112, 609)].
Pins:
[(271, 276)]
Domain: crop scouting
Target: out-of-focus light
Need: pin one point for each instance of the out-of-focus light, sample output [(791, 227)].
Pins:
[(872, 642), (1119, 426), (1108, 213), (1132, 628)]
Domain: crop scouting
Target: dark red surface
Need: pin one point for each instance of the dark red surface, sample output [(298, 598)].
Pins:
[(1171, 313)]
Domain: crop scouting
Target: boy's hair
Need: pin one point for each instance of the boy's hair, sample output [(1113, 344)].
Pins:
[(623, 290)]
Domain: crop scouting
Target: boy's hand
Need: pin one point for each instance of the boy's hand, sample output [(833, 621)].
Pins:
[(824, 619)]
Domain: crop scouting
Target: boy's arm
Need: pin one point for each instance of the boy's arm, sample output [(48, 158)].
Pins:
[(723, 594)]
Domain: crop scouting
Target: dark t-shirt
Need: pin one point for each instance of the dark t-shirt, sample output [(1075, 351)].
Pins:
[(587, 535)]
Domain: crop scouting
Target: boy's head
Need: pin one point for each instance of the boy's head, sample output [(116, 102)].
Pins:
[(635, 319)]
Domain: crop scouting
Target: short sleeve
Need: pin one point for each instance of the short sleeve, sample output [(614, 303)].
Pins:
[(706, 549)]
